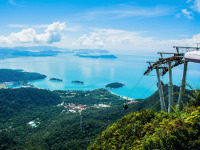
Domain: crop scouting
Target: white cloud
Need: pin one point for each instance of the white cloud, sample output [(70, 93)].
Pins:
[(188, 1), (134, 13), (142, 11), (196, 6), (188, 42), (183, 35), (107, 38), (53, 33), (18, 25), (26, 35), (41, 26), (193, 7), (124, 40), (187, 14), (12, 2), (72, 28), (122, 11), (75, 28), (26, 26), (112, 39)]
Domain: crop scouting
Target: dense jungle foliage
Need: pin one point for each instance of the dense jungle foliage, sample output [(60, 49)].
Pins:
[(59, 129), (152, 130), (114, 85), (148, 129)]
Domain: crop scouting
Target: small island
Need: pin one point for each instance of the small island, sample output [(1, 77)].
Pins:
[(97, 56), (78, 82), (56, 79), (114, 85)]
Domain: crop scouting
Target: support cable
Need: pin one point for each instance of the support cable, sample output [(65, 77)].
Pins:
[(148, 89), (135, 86)]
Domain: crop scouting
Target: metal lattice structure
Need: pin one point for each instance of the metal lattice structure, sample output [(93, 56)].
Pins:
[(164, 65), (176, 59)]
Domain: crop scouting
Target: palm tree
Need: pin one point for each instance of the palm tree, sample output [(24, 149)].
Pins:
[(195, 96)]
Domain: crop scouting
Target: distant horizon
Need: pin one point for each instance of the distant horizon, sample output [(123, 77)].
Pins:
[(121, 25), (125, 52)]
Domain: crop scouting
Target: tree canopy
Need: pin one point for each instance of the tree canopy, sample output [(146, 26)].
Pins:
[(9, 75)]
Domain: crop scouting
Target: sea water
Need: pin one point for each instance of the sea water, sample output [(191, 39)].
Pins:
[(98, 72)]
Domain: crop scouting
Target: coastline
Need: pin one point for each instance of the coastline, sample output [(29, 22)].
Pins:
[(123, 97)]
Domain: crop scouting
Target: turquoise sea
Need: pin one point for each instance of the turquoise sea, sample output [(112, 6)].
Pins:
[(97, 73)]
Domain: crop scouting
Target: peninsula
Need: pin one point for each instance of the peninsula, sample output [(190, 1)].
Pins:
[(18, 75), (97, 56)]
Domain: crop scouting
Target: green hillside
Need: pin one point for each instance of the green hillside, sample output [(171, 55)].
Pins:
[(151, 130), (56, 127), (153, 102), (148, 129)]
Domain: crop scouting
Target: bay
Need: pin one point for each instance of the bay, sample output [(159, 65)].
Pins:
[(97, 73)]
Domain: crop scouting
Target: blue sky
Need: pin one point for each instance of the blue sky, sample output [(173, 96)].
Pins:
[(106, 24)]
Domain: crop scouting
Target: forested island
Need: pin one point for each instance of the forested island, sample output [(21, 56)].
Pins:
[(94, 53), (32, 51), (13, 53), (78, 82), (114, 85), (9, 75), (90, 51), (44, 51), (98, 56), (56, 79)]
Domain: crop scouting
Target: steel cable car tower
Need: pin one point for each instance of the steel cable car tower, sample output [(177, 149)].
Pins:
[(164, 65)]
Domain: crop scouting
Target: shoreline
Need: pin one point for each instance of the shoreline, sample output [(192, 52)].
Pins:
[(121, 96), (124, 97)]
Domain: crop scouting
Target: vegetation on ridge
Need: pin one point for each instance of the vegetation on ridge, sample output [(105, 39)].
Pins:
[(59, 129), (154, 130)]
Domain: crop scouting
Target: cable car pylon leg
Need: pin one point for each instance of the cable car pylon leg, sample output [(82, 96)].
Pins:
[(160, 89), (170, 89), (182, 88)]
